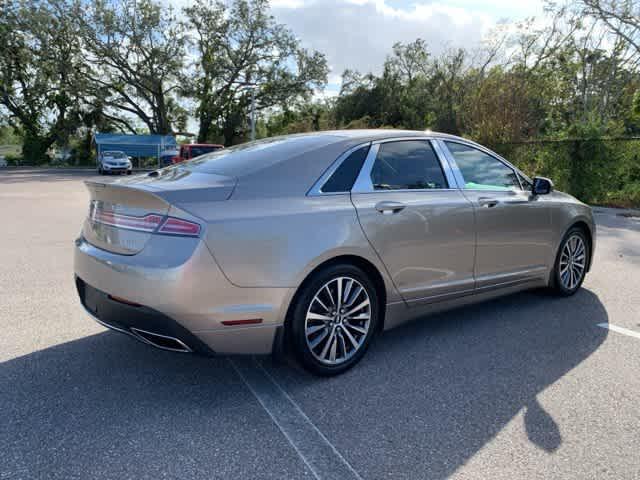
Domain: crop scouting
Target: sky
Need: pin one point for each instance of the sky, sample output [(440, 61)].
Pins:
[(359, 34)]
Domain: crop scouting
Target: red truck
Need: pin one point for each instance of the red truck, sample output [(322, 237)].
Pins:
[(193, 150)]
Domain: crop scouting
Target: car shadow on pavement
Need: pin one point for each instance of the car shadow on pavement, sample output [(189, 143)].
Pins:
[(431, 394), (423, 401), (107, 406)]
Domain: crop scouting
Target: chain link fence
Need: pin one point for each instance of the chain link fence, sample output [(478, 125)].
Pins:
[(597, 171)]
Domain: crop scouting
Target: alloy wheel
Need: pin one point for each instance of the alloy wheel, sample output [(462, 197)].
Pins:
[(572, 262), (338, 320)]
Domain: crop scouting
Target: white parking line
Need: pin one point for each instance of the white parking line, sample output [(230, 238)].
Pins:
[(315, 450), (624, 331)]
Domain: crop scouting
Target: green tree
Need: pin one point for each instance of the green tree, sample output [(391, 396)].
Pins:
[(622, 17), (308, 117), (239, 48), (410, 61), (42, 74), (136, 49)]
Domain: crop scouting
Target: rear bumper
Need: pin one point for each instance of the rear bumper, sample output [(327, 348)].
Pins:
[(181, 293), (142, 323)]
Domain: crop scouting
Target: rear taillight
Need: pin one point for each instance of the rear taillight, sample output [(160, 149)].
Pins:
[(177, 226), (148, 223), (151, 223)]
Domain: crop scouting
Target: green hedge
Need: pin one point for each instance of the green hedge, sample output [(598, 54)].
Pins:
[(597, 171)]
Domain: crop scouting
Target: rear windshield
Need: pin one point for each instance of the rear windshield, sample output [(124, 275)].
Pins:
[(254, 156)]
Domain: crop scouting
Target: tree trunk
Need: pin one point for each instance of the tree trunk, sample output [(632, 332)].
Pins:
[(163, 126), (228, 133), (204, 128), (34, 148)]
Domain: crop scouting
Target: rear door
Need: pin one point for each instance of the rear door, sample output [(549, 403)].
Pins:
[(419, 223), (513, 227)]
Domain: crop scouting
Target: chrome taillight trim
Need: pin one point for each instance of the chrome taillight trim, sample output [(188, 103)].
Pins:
[(151, 223), (198, 227), (148, 223)]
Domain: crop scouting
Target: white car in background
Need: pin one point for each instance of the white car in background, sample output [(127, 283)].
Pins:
[(114, 162)]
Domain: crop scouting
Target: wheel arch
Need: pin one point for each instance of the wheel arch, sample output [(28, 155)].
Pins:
[(588, 233), (350, 259)]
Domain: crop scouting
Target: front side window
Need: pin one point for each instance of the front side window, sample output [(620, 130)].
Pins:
[(481, 171), (407, 165), (526, 183)]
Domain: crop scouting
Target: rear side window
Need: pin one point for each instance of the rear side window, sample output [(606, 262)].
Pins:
[(407, 165), (345, 175)]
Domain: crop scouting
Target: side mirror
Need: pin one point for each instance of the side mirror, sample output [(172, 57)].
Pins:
[(542, 186)]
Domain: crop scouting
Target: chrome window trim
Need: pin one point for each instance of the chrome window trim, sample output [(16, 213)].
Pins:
[(452, 180), (458, 173), (525, 177), (316, 189), (363, 182)]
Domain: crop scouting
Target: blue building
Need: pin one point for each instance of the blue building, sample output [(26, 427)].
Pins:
[(137, 146)]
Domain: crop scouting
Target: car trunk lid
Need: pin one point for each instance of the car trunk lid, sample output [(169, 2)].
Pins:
[(124, 214)]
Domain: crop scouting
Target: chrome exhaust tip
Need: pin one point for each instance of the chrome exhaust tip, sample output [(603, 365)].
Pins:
[(161, 341)]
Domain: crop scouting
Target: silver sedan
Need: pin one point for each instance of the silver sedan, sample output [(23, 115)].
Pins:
[(315, 243)]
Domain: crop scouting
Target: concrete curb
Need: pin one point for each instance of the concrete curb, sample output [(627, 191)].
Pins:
[(632, 212)]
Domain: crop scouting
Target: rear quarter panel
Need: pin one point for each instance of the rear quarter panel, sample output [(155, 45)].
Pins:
[(278, 242)]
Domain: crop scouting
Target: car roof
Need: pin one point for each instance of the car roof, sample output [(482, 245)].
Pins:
[(292, 163), (378, 134), (381, 133), (372, 135)]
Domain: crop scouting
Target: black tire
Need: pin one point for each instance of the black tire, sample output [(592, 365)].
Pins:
[(100, 171), (128, 172), (298, 319), (556, 283)]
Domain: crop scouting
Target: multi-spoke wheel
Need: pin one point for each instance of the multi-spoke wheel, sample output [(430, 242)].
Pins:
[(334, 319), (571, 262)]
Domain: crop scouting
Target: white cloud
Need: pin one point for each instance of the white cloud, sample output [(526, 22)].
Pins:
[(359, 34)]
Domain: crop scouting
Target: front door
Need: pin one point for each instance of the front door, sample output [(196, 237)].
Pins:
[(420, 225), (513, 228)]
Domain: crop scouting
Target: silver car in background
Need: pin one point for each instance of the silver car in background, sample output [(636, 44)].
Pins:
[(317, 242), (114, 161)]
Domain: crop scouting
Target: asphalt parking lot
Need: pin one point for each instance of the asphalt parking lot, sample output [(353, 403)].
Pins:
[(528, 386)]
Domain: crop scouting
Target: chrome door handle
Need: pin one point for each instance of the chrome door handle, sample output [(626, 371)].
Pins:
[(389, 208), (488, 202)]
